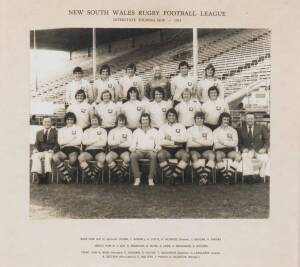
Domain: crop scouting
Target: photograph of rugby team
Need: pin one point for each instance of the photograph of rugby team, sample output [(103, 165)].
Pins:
[(167, 131)]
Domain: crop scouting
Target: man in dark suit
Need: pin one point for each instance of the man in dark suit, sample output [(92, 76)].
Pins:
[(254, 144), (45, 145)]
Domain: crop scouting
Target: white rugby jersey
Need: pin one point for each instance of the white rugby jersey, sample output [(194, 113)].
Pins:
[(158, 112), (108, 113), (109, 84), (213, 109), (204, 85), (202, 134), (144, 140), (94, 138), (226, 135), (179, 83), (82, 112), (133, 111), (176, 131), (70, 136), (135, 81), (186, 111), (74, 86), (120, 136)]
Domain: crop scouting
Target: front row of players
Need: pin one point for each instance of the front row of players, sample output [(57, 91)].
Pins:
[(172, 146)]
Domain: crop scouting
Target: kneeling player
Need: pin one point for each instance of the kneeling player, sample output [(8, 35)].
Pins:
[(172, 137), (200, 144), (69, 139), (119, 140), (94, 138), (225, 143)]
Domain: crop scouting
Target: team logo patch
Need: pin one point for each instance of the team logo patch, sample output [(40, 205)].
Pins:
[(164, 110), (83, 110), (177, 130), (98, 132), (135, 83), (138, 108), (73, 132), (124, 136), (109, 85), (204, 135), (189, 84), (191, 109), (229, 136), (218, 108), (110, 110)]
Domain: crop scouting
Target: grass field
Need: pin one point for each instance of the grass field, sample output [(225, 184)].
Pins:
[(125, 201)]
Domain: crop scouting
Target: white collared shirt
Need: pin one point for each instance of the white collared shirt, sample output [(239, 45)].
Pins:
[(109, 84), (82, 112), (120, 136), (187, 110), (133, 111), (202, 134), (213, 110), (94, 138), (204, 85), (70, 136), (176, 131), (74, 86), (135, 81), (228, 135), (108, 113), (179, 83), (157, 112), (142, 140)]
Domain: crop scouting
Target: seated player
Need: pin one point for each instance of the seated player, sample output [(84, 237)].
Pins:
[(107, 110), (187, 108), (106, 82), (209, 81), (213, 108), (200, 144), (225, 144), (157, 108), (81, 109), (131, 80), (254, 143), (143, 146), (76, 84), (158, 81), (45, 145), (119, 140), (94, 139), (133, 108), (69, 139), (172, 137)]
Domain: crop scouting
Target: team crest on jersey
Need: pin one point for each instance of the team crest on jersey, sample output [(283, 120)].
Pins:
[(110, 110), (218, 108), (98, 132), (138, 108), (135, 83), (124, 136), (109, 85), (229, 136), (164, 110), (191, 109), (204, 135), (189, 84), (74, 132), (83, 110), (177, 130)]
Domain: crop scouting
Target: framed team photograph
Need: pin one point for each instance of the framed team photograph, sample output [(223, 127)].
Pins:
[(160, 123)]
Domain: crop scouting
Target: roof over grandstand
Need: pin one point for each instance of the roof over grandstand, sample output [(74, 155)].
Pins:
[(71, 39)]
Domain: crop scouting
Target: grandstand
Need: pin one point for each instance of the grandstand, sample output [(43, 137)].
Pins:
[(241, 58)]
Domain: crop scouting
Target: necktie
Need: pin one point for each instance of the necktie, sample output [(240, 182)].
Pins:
[(45, 136), (250, 135)]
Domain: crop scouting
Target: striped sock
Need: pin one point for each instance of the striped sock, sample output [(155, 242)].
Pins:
[(62, 169), (165, 168)]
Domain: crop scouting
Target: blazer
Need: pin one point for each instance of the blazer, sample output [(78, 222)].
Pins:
[(260, 138), (51, 143)]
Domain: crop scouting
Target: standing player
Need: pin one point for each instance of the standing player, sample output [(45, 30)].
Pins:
[(158, 81), (107, 110), (77, 84), (94, 138), (144, 146), (254, 143), (157, 108), (119, 141), (69, 139), (213, 108), (81, 109), (172, 137), (45, 146), (200, 144), (225, 144), (209, 81), (182, 81), (133, 108), (131, 80), (187, 108), (106, 82)]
